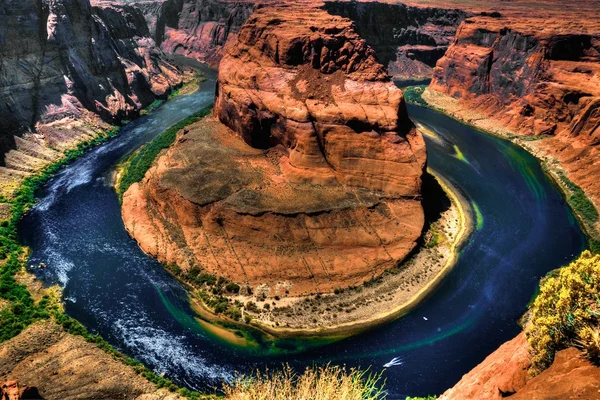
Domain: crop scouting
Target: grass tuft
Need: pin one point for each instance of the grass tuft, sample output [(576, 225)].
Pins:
[(323, 383)]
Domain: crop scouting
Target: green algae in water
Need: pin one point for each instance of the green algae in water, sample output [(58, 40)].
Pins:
[(250, 339), (460, 155), (478, 216)]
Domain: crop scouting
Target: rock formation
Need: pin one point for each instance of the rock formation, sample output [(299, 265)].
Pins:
[(504, 373), (533, 76), (10, 390), (62, 59), (323, 189), (45, 362)]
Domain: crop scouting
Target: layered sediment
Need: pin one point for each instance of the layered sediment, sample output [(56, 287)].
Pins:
[(312, 180), (407, 39)]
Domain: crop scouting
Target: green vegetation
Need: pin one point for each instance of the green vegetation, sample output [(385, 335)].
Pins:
[(136, 167), (422, 398), (153, 106), (579, 201), (324, 383), (212, 291), (585, 209), (566, 312), (413, 95), (22, 310)]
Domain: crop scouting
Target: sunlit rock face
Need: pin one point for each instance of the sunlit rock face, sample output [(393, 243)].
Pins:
[(195, 28), (59, 58), (312, 178)]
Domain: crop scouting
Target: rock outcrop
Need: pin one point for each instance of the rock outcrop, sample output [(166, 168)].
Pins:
[(533, 76), (409, 40), (10, 390), (62, 59), (317, 183), (504, 373)]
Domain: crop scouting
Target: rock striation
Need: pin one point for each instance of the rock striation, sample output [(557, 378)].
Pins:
[(317, 182), (62, 59), (195, 28)]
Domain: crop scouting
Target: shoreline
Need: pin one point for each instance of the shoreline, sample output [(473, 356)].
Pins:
[(548, 163), (346, 329)]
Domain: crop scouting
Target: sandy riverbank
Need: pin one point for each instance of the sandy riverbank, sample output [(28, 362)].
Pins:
[(356, 309)]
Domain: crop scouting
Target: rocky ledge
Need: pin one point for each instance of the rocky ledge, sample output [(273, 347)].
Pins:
[(64, 64), (313, 180)]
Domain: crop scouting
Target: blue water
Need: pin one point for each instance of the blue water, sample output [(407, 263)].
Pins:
[(525, 230)]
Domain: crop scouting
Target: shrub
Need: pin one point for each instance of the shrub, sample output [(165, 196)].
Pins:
[(232, 287), (324, 383), (566, 311), (412, 94)]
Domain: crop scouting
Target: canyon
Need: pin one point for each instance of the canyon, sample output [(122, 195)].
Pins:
[(308, 177), (67, 70)]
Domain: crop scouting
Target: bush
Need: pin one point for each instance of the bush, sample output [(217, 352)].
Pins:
[(412, 94), (566, 311), (232, 287), (324, 383)]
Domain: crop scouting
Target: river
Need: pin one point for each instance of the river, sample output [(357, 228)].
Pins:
[(524, 229)]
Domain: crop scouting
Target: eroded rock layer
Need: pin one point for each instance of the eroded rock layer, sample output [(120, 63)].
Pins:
[(317, 182), (195, 28), (60, 59), (533, 76)]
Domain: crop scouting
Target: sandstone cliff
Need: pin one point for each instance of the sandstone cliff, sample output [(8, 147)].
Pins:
[(63, 61), (533, 76), (320, 185), (45, 362)]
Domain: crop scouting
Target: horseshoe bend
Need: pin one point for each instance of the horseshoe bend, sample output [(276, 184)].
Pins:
[(307, 178)]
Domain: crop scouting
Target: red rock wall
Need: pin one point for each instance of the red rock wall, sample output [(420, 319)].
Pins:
[(504, 373), (408, 40), (324, 190), (195, 28)]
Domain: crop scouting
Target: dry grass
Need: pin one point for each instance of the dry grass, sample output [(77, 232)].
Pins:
[(323, 383)]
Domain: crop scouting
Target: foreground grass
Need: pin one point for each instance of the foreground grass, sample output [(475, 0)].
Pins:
[(137, 165), (323, 383), (566, 312)]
